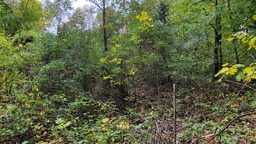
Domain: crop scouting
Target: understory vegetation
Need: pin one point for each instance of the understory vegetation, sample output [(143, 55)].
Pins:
[(117, 71)]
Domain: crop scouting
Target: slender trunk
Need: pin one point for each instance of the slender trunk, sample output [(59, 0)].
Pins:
[(220, 50), (230, 16), (237, 58), (217, 41), (103, 9), (219, 37), (216, 56), (174, 114), (104, 27)]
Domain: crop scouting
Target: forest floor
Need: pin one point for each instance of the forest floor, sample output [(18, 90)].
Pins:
[(212, 113), (204, 113)]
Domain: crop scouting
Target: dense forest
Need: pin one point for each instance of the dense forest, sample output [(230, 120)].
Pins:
[(128, 71)]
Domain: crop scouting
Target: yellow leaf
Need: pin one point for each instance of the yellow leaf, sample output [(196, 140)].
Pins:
[(230, 39), (106, 77), (103, 60), (234, 105), (124, 125), (117, 45), (143, 16), (224, 65), (114, 60), (232, 70), (254, 17), (226, 119), (252, 43), (138, 41), (119, 61), (247, 78), (253, 76), (222, 71), (133, 71), (244, 40), (248, 69), (117, 83)]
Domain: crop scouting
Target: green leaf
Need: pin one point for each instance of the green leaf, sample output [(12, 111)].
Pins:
[(239, 65), (25, 142), (240, 76), (222, 71)]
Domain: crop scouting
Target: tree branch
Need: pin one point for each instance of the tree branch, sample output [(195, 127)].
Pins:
[(229, 9), (212, 136), (245, 85), (94, 2), (6, 5), (226, 109), (240, 116)]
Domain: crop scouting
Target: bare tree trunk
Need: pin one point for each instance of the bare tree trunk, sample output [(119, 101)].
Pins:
[(237, 58), (174, 114), (104, 15), (104, 26), (217, 41)]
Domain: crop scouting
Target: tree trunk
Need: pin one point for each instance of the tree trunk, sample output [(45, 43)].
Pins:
[(104, 27), (237, 58), (104, 15), (217, 41)]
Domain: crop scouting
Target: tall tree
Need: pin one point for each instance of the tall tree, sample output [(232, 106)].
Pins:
[(102, 7), (217, 39), (105, 7), (60, 10), (22, 15)]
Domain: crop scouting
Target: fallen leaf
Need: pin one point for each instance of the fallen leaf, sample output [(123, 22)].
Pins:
[(105, 120), (209, 139)]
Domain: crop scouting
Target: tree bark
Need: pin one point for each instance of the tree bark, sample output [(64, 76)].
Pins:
[(217, 41), (104, 15), (105, 37), (237, 57)]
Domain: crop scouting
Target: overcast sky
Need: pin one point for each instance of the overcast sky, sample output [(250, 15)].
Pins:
[(77, 3), (80, 3)]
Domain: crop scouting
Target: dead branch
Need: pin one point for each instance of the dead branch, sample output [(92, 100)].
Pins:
[(237, 83), (240, 116)]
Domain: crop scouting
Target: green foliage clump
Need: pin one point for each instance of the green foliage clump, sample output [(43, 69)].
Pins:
[(76, 87)]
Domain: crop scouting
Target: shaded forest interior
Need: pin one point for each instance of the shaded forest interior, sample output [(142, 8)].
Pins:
[(128, 71)]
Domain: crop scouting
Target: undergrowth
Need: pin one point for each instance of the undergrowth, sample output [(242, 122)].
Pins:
[(58, 119)]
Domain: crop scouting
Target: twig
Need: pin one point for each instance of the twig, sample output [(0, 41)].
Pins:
[(174, 115), (224, 112), (158, 133), (240, 84), (190, 109), (97, 4), (243, 115), (212, 136)]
